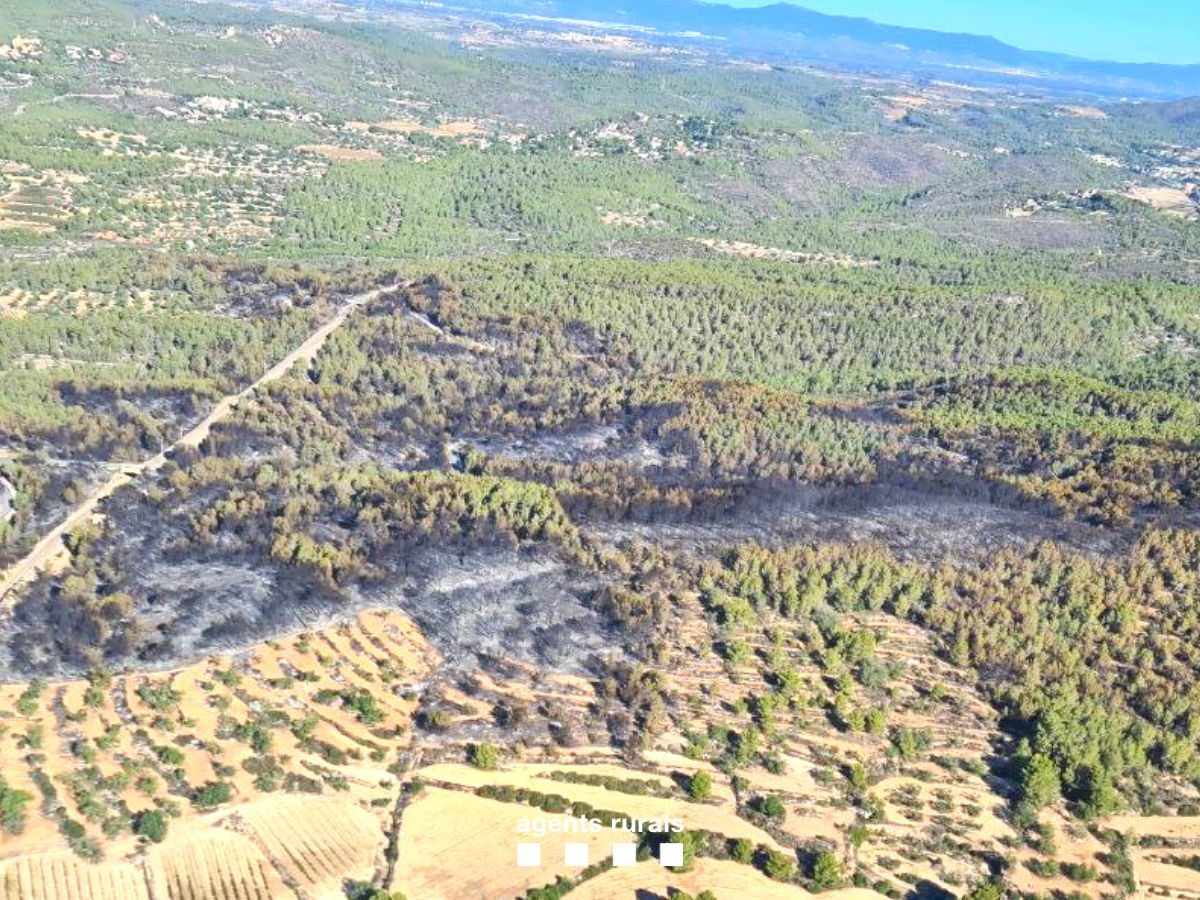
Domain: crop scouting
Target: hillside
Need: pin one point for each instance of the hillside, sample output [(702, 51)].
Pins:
[(417, 422), (789, 33)]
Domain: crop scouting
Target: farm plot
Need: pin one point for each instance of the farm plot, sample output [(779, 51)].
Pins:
[(723, 878), (213, 864), (721, 819), (455, 845), (314, 842), (60, 876), (32, 200)]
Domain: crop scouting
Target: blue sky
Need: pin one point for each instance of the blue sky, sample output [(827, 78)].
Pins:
[(1166, 31)]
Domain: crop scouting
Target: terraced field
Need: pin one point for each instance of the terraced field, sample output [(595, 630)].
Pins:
[(316, 844), (320, 783), (49, 876), (214, 864)]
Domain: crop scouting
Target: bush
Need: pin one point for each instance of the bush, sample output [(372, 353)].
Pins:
[(1079, 871), (12, 808), (826, 871), (1045, 868), (364, 705), (364, 890), (858, 777), (989, 890), (151, 825), (700, 786), (485, 756), (212, 794), (742, 851), (779, 866), (772, 807), (28, 701), (159, 697)]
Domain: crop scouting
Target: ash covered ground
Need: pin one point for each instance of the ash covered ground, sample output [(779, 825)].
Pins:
[(486, 602), (213, 554)]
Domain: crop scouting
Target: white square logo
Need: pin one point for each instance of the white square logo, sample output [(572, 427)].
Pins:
[(624, 854), (529, 856), (671, 855), (575, 855)]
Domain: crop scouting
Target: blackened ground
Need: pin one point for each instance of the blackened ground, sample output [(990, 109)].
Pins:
[(475, 605), (926, 524)]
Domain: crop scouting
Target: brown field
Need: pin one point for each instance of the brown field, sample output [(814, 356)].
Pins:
[(50, 876), (627, 219), (334, 152), (1172, 201), (895, 108), (455, 845), (1175, 828), (312, 841), (723, 878), (457, 128), (1162, 878), (1085, 112), (212, 864), (37, 200), (756, 251), (19, 302), (718, 817), (316, 843)]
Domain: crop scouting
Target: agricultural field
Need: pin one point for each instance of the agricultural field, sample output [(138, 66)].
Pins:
[(419, 423), (311, 760)]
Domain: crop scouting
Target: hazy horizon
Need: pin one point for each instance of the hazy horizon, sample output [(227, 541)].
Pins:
[(1109, 30)]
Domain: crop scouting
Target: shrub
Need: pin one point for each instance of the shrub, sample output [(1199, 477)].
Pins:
[(772, 807), (858, 777), (742, 851), (12, 808), (826, 871), (27, 702), (989, 890), (779, 866), (212, 794), (485, 756), (151, 825)]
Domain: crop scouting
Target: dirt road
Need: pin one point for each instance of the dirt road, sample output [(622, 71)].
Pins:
[(51, 545)]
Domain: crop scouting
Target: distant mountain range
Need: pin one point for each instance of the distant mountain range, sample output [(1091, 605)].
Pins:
[(784, 33)]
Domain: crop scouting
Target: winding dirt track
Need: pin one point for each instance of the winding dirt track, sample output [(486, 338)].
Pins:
[(51, 545)]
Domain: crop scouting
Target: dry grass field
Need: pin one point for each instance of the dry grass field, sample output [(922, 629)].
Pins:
[(214, 863), (334, 152), (1169, 200), (316, 844), (455, 845), (44, 876), (719, 816), (458, 128), (723, 878), (35, 200)]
